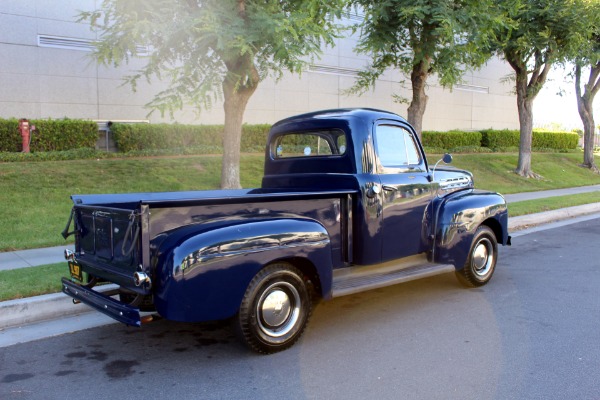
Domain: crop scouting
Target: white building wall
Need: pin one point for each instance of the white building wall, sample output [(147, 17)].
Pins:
[(47, 82)]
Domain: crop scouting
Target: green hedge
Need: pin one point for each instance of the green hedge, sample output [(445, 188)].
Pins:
[(496, 139), (63, 135), (140, 137), (451, 139), (10, 138), (554, 140), (50, 135), (499, 138)]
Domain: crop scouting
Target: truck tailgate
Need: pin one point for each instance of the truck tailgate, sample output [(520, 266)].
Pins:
[(109, 242)]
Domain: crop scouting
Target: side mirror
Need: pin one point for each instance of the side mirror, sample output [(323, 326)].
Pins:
[(447, 159)]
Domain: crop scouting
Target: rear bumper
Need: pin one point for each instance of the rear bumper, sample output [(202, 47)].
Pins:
[(115, 309)]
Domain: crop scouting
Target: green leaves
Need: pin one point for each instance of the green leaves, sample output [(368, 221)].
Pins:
[(538, 31), (213, 50), (197, 44), (421, 38), (448, 35)]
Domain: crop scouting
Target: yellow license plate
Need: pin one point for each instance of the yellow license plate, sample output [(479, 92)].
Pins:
[(75, 271)]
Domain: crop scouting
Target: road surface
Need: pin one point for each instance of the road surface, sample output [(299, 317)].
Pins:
[(532, 333)]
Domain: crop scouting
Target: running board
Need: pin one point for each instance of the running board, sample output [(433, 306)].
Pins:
[(352, 280)]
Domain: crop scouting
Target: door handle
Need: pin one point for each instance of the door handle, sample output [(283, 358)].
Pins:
[(373, 190), (390, 188)]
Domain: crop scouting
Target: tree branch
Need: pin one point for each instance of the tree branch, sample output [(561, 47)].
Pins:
[(578, 81), (241, 7), (594, 75), (514, 64), (545, 72), (535, 73)]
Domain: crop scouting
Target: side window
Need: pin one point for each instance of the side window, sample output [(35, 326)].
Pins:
[(310, 144), (396, 147)]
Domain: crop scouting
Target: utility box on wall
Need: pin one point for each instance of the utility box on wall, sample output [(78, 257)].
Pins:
[(106, 141)]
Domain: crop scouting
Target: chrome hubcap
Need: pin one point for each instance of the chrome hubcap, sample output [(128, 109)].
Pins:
[(483, 257), (278, 309)]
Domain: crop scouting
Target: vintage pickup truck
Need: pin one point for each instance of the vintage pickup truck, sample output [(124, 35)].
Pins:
[(348, 203)]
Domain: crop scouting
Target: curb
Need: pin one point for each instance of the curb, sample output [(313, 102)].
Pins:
[(15, 313), (529, 220), (30, 310)]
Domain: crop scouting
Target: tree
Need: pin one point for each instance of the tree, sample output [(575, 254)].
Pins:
[(537, 34), (588, 57), (421, 38), (210, 50)]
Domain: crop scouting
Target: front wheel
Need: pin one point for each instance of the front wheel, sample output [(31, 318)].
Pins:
[(480, 265), (275, 309)]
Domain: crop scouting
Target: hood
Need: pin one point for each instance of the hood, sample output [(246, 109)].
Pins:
[(451, 179)]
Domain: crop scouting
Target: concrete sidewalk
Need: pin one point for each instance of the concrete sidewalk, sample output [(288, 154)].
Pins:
[(33, 257), (513, 198)]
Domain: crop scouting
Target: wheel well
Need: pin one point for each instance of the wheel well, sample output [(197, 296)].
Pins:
[(495, 227), (308, 269)]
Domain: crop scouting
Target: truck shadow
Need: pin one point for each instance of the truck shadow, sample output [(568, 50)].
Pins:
[(343, 334), (216, 339)]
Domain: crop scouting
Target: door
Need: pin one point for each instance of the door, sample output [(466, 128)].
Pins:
[(406, 191)]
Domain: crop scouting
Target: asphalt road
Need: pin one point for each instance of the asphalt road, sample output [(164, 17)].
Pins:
[(532, 333)]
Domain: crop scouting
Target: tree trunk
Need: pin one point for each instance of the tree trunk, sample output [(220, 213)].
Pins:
[(418, 104), (525, 108), (236, 96), (587, 117), (527, 90), (585, 102)]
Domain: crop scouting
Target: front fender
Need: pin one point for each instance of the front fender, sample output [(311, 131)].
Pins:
[(459, 216), (202, 274)]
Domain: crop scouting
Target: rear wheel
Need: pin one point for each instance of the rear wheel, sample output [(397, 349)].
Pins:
[(480, 265), (275, 309)]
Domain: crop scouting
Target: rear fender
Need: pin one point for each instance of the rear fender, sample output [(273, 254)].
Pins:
[(202, 274), (459, 216)]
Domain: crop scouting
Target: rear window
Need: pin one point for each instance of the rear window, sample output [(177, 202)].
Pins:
[(309, 144)]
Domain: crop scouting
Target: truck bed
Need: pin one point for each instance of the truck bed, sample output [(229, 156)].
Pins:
[(117, 230)]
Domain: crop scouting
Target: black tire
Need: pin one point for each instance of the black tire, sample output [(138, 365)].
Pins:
[(275, 309), (480, 265)]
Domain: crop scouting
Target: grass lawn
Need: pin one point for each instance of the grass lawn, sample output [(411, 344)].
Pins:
[(32, 281), (493, 171), (35, 195), (552, 203)]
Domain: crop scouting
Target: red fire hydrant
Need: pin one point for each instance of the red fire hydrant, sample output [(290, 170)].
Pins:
[(25, 128)]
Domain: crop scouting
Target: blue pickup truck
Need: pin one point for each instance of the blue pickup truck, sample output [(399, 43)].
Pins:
[(348, 203)]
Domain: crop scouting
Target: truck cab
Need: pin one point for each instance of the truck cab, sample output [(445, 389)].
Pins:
[(378, 155)]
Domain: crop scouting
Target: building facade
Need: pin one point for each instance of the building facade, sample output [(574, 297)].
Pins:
[(46, 72)]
